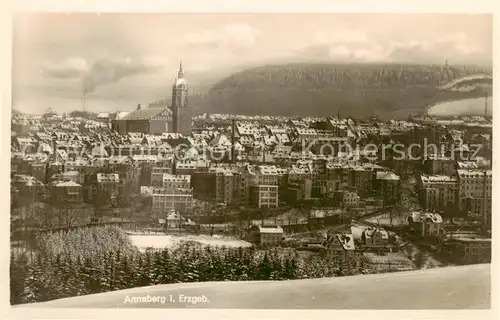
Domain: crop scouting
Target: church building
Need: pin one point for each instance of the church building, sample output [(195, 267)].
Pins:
[(157, 119)]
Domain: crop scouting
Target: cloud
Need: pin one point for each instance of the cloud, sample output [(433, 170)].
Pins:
[(233, 35), (343, 45), (455, 47), (340, 51), (337, 36), (68, 68)]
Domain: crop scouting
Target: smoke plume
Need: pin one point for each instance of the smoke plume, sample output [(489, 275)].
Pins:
[(108, 71), (103, 71)]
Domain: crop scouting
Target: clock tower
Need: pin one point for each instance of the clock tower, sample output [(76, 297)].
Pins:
[(181, 112)]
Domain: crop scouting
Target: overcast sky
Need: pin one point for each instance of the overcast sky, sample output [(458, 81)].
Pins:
[(56, 49)]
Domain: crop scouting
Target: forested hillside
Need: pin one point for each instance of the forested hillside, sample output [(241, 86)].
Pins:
[(353, 89)]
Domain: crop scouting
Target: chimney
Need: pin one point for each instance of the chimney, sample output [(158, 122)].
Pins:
[(233, 151), (485, 216), (174, 164), (84, 101), (486, 105), (54, 148), (138, 106)]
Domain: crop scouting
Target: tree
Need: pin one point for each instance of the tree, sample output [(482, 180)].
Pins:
[(33, 284), (18, 274), (265, 267), (409, 251), (419, 259), (68, 218)]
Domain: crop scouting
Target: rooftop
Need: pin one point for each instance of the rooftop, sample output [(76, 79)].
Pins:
[(276, 230), (417, 216), (107, 177), (437, 179)]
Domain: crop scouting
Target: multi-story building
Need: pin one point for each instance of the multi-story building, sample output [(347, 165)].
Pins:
[(145, 164), (172, 181), (166, 199), (264, 186), (217, 184), (242, 183), (265, 175), (388, 184), (337, 176), (440, 165), (108, 187), (362, 179), (438, 193), (157, 174), (190, 166), (350, 199), (39, 170), (130, 178), (264, 196), (475, 193)]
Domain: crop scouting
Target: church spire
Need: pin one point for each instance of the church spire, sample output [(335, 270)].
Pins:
[(180, 74)]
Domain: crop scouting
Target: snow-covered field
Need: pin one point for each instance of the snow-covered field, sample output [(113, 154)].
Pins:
[(465, 107), (160, 241), (385, 220)]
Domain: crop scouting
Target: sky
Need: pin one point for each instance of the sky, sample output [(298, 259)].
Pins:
[(64, 55)]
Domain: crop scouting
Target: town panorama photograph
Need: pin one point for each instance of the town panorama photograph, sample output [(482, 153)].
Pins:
[(251, 160)]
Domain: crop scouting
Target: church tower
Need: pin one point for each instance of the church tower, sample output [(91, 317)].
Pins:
[(181, 112)]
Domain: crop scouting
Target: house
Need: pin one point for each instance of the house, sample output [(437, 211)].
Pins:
[(175, 221), (426, 223), (67, 191), (266, 236), (28, 187), (340, 245), (108, 186), (375, 239), (103, 117)]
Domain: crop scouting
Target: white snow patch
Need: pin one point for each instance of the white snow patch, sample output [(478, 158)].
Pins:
[(162, 241)]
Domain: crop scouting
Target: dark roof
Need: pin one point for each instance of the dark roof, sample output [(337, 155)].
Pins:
[(143, 114)]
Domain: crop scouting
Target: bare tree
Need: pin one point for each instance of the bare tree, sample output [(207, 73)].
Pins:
[(68, 218)]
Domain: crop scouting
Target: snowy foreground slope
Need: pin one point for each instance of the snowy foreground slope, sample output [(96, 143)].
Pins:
[(465, 287)]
